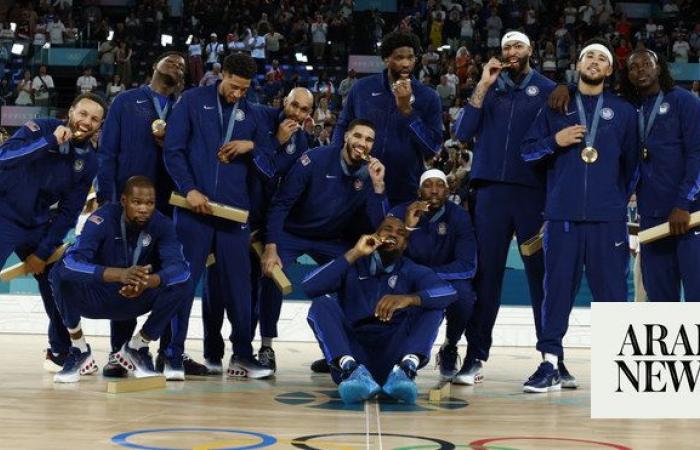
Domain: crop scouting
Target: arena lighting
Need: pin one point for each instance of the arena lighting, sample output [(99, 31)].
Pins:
[(189, 40), (379, 44), (13, 26), (47, 46), (300, 57), (443, 48), (110, 35), (166, 39), (309, 68), (17, 49)]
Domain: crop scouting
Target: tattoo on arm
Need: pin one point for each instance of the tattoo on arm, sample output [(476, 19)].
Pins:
[(477, 98)]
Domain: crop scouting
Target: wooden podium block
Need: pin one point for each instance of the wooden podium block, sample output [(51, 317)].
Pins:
[(218, 209), (439, 393), (664, 230), (136, 385), (532, 245), (278, 276), (20, 269)]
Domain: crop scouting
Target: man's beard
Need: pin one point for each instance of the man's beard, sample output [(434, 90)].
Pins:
[(396, 75), (389, 256), (517, 71), (168, 80), (590, 81)]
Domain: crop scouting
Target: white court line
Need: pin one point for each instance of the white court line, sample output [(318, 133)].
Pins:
[(379, 425), (366, 424)]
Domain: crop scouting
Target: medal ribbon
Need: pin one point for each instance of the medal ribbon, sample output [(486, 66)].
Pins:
[(589, 135)]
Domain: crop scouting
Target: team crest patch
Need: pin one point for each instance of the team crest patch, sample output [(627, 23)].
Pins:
[(607, 113), (146, 241), (291, 148), (442, 228), (95, 219), (305, 160), (664, 108), (358, 184), (532, 91), (33, 126), (78, 165), (392, 281), (240, 115)]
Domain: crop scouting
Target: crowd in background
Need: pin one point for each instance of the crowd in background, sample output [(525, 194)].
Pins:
[(308, 43)]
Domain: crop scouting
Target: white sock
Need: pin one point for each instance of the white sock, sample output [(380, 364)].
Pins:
[(347, 359), (266, 341), (138, 342), (553, 359), (80, 343), (413, 359)]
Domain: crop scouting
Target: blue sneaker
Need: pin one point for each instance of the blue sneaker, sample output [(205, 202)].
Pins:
[(357, 385), (568, 381), (76, 364), (545, 379), (140, 361), (54, 361), (447, 361), (400, 385), (242, 367)]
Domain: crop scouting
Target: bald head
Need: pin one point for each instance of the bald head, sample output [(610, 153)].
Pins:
[(298, 104)]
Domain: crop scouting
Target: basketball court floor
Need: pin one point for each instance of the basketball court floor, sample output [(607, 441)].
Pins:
[(298, 409)]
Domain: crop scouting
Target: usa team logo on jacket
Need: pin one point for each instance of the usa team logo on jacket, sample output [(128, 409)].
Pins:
[(358, 184), (442, 228), (291, 148), (664, 108), (78, 165), (392, 281), (146, 241), (532, 91), (240, 115), (607, 113)]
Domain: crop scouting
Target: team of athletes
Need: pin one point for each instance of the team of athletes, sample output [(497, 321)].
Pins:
[(395, 256)]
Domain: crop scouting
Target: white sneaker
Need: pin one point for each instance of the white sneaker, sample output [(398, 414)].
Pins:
[(469, 374), (247, 368)]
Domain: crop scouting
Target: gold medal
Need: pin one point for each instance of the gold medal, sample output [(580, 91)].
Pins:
[(645, 153), (158, 128), (589, 155), (78, 134)]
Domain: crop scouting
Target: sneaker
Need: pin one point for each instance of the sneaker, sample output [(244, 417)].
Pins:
[(77, 363), (140, 361), (113, 369), (357, 385), (266, 356), (173, 369), (470, 373), (446, 360), (400, 385), (160, 361), (214, 367), (54, 361), (192, 367), (568, 381), (320, 366), (545, 379), (247, 367)]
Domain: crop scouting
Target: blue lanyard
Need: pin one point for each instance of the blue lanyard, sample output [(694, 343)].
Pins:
[(644, 131), (231, 120), (504, 80), (139, 244), (590, 134), (162, 112), (438, 214), (376, 264)]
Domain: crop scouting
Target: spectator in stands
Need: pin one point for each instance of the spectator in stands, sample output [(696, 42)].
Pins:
[(70, 33), (272, 43), (257, 49), (42, 87), (681, 48), (6, 91), (86, 82), (322, 113), (212, 76), (114, 87), (447, 92), (213, 51), (56, 31), (346, 84), (323, 86), (108, 53), (124, 54), (195, 63), (24, 90), (319, 33)]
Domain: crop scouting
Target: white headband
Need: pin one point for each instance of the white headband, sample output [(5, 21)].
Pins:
[(515, 36), (599, 47), (433, 173)]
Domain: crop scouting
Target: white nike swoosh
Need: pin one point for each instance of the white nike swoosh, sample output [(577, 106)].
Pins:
[(617, 244), (141, 101), (362, 278), (208, 107), (696, 233), (374, 94), (330, 176), (570, 113)]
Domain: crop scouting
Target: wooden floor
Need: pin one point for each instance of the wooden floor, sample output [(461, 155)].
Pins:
[(300, 410)]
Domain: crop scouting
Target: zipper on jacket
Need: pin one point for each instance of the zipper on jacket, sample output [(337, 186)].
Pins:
[(505, 150), (585, 189)]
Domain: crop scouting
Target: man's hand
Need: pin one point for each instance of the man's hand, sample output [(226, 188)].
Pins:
[(230, 150), (390, 303), (34, 264), (570, 135), (679, 221), (130, 291), (376, 173), (415, 211), (135, 276), (309, 125), (559, 99), (403, 91), (63, 134), (364, 246), (491, 71), (198, 202), (270, 259), (285, 130)]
